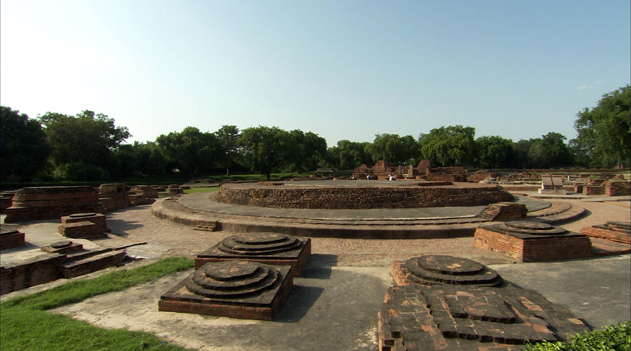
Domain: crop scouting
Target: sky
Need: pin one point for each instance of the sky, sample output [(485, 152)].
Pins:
[(341, 69)]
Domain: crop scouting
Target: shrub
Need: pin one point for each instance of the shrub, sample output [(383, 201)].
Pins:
[(613, 337)]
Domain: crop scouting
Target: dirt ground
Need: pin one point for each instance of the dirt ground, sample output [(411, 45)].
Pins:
[(333, 305)]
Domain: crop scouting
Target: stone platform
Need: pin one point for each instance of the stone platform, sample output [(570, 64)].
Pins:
[(613, 231), (533, 241), (237, 289), (202, 211), (451, 303), (267, 248)]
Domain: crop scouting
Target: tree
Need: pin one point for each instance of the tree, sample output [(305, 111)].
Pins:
[(348, 155), (192, 151), (604, 132), (265, 149), (550, 151), (494, 152), (228, 137), (306, 150), (449, 146), (85, 139), (394, 149), (23, 147)]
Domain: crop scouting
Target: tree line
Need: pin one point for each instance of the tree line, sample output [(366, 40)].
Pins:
[(89, 146)]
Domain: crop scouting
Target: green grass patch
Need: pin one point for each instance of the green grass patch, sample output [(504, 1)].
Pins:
[(113, 281), (200, 190), (613, 337), (26, 325), (26, 329)]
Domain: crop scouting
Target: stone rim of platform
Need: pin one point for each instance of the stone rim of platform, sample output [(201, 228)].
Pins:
[(366, 228)]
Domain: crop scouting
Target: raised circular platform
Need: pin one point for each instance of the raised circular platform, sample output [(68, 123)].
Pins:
[(359, 194), (202, 211)]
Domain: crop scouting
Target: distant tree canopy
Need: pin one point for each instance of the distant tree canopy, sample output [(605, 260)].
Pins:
[(89, 146), (604, 132), (23, 146), (449, 146)]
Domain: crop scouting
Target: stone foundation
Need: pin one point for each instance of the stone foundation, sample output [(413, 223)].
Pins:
[(32, 204), (237, 289), (504, 211), (533, 241), (402, 195), (81, 230), (47, 268), (448, 303), (10, 238), (267, 248), (436, 269), (97, 218), (614, 231)]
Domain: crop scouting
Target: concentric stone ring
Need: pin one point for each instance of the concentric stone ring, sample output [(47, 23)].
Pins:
[(437, 269), (259, 244), (532, 228), (231, 279)]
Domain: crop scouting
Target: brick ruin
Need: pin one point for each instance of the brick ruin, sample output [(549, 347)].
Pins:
[(38, 203), (10, 237), (382, 170), (84, 226), (612, 230), (609, 187), (440, 312), (381, 195), (266, 248), (533, 241), (237, 289), (114, 196), (65, 260)]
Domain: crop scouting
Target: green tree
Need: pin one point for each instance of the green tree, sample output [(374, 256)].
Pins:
[(23, 147), (192, 151), (306, 150), (228, 137), (494, 152), (449, 146), (85, 140), (348, 155), (604, 132), (549, 151), (265, 149), (394, 149)]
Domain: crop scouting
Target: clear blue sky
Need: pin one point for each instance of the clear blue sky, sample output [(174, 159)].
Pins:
[(340, 69)]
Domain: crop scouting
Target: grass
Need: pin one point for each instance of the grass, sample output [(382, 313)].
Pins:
[(27, 326)]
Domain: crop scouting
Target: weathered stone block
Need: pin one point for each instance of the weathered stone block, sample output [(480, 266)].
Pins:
[(10, 238), (82, 230)]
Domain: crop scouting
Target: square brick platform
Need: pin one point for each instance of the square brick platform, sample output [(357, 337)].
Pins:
[(10, 238), (524, 247), (613, 231), (257, 247), (224, 289)]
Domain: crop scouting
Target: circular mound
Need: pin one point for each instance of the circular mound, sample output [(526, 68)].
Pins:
[(258, 244), (231, 279), (531, 228), (359, 195), (437, 269)]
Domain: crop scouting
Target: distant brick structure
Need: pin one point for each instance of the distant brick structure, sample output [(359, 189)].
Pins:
[(37, 203), (237, 289), (267, 248), (504, 211), (114, 196), (533, 241), (382, 170)]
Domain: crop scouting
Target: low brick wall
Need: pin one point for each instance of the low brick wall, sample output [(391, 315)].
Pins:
[(360, 197), (11, 238), (32, 272), (36, 203)]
